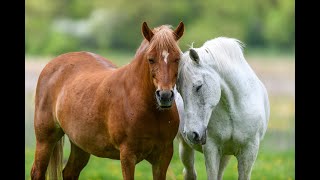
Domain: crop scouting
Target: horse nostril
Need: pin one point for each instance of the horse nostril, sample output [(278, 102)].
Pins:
[(164, 95), (195, 136), (158, 93), (172, 94)]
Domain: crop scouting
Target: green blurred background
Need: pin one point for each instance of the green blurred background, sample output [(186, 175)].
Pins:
[(111, 28)]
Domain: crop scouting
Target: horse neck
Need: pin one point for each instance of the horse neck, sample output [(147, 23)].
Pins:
[(139, 78), (235, 82)]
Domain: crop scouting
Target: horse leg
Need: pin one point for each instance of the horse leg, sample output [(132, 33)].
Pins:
[(41, 160), (78, 159), (161, 163), (128, 162), (47, 136), (212, 159), (223, 164), (187, 158), (246, 159)]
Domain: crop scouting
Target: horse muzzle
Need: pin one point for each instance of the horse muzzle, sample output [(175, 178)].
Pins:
[(165, 98)]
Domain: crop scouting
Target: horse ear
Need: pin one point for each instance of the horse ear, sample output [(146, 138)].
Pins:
[(194, 55), (146, 31), (179, 31)]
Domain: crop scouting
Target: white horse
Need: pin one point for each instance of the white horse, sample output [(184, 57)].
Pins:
[(224, 109)]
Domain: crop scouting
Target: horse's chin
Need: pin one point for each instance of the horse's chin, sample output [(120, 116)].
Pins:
[(195, 144)]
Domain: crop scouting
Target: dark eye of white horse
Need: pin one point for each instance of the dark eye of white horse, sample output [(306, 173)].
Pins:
[(197, 89)]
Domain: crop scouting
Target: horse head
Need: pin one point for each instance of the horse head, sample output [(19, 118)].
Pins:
[(199, 87), (163, 56)]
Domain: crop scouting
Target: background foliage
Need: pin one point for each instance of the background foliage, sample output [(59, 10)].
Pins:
[(55, 27)]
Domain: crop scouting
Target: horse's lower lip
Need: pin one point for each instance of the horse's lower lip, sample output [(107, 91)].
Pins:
[(197, 142), (190, 141), (163, 103), (165, 106)]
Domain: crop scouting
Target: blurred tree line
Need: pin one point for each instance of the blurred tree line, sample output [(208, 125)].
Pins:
[(59, 26)]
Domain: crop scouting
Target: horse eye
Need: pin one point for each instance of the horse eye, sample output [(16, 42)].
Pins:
[(151, 60), (177, 60), (197, 89)]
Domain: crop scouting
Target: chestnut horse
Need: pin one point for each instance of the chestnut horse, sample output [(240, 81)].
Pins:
[(125, 113)]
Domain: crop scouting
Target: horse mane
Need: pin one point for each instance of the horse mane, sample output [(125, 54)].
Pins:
[(163, 39), (226, 52)]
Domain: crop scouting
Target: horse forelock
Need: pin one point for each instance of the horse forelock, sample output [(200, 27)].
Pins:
[(185, 69), (163, 40)]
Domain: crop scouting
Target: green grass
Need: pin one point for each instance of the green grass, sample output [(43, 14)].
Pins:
[(270, 164)]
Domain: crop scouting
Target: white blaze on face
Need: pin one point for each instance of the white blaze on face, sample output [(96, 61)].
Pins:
[(165, 55)]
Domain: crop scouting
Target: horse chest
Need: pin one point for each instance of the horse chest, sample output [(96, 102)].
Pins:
[(143, 128), (161, 128), (231, 131)]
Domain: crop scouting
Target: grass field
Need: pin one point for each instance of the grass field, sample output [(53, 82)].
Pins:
[(270, 164), (276, 158)]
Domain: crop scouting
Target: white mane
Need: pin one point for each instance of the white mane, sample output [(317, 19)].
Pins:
[(226, 52)]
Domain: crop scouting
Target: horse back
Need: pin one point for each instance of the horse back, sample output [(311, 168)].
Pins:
[(64, 70)]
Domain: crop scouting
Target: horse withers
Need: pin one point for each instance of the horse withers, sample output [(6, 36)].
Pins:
[(224, 109), (125, 113)]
